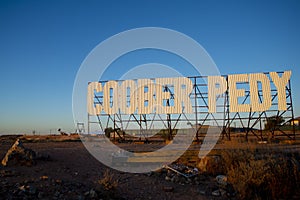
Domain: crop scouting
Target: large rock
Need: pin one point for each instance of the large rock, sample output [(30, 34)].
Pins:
[(19, 155), (222, 180)]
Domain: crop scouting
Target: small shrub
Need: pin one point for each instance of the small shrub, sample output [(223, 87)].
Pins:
[(108, 182)]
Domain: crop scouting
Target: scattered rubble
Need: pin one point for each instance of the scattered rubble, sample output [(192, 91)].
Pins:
[(219, 192), (182, 174), (216, 193), (182, 170), (92, 194), (49, 189)]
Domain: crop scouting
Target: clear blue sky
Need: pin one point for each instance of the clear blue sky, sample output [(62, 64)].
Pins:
[(43, 43)]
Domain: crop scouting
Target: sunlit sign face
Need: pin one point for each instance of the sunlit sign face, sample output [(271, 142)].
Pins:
[(145, 96)]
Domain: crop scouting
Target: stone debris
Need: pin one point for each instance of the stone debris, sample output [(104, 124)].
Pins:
[(19, 155), (48, 189), (222, 180), (216, 193), (210, 186), (92, 194), (219, 192), (181, 174)]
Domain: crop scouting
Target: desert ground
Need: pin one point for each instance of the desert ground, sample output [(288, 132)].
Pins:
[(66, 170)]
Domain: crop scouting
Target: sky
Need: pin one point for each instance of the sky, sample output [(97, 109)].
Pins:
[(43, 44)]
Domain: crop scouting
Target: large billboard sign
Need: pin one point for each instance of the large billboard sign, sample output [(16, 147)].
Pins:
[(146, 96)]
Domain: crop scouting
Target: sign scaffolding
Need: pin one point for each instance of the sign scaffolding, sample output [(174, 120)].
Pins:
[(245, 118)]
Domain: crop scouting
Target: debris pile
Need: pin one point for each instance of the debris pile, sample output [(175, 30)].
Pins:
[(182, 170), (19, 155), (181, 174), (213, 186)]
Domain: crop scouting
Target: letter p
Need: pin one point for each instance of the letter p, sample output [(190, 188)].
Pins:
[(216, 86)]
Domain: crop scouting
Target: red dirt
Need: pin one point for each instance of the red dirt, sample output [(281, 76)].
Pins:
[(72, 171)]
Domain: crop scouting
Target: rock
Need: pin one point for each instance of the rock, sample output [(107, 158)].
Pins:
[(216, 193), (222, 180), (19, 155), (22, 188), (167, 178), (210, 164), (92, 194)]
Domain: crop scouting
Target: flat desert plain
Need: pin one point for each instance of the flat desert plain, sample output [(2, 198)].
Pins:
[(66, 170)]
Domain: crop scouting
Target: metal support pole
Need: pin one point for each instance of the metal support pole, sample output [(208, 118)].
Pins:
[(196, 109), (292, 109)]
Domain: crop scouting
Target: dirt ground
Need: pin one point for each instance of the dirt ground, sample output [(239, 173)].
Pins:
[(71, 172)]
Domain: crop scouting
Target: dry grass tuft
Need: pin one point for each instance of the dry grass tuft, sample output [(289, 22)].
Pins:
[(256, 175), (108, 181)]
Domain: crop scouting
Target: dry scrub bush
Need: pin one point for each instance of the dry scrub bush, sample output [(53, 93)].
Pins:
[(108, 182), (257, 175)]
